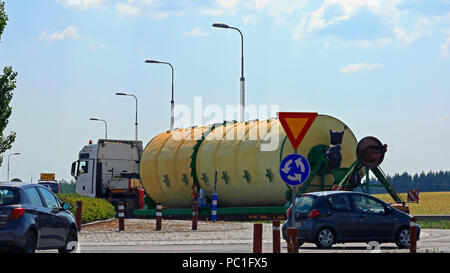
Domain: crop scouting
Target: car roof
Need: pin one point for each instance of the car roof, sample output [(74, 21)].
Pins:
[(15, 184), (325, 193), (51, 182)]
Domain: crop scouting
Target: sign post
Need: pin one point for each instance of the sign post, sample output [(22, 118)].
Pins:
[(295, 168)]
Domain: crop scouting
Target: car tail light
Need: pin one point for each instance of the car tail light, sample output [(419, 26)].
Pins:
[(288, 213), (16, 213), (313, 213)]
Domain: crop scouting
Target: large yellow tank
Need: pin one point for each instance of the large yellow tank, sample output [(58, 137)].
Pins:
[(246, 155)]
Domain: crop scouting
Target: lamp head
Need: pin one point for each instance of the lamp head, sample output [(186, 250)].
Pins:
[(152, 62), (220, 25)]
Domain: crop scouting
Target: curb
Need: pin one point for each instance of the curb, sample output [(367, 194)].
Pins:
[(97, 222)]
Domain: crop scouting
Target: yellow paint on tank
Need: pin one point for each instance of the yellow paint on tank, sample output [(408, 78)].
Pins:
[(165, 167), (246, 155)]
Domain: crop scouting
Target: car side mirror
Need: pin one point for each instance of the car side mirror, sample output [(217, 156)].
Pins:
[(66, 206)]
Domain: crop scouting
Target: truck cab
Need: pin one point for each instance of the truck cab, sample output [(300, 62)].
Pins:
[(109, 169), (84, 172)]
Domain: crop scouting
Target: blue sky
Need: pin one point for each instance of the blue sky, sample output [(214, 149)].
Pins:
[(382, 67)]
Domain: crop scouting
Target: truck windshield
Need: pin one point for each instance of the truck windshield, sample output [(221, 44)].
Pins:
[(304, 203), (8, 196)]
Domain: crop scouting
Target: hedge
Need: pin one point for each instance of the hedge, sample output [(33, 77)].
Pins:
[(94, 209)]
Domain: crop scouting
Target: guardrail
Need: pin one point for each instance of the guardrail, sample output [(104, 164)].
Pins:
[(432, 217)]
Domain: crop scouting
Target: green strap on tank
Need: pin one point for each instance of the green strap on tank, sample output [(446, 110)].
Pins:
[(195, 150)]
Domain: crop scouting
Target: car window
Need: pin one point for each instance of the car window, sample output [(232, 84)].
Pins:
[(34, 197), (49, 198), (304, 203), (8, 197), (339, 202), (366, 204)]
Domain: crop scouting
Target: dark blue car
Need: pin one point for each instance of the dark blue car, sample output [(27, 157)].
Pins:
[(326, 218), (32, 217)]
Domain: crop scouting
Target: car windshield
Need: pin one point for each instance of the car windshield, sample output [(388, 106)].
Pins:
[(51, 186), (8, 196), (304, 203)]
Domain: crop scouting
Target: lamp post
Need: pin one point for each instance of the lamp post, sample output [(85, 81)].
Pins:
[(220, 25), (172, 102), (106, 126), (7, 174), (136, 123)]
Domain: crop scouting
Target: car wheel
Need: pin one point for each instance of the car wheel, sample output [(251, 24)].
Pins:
[(324, 238), (30, 243), (71, 237), (403, 238)]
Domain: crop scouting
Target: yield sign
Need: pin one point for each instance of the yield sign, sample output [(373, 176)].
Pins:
[(296, 125)]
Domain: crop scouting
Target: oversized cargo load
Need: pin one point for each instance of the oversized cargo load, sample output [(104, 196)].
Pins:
[(246, 155)]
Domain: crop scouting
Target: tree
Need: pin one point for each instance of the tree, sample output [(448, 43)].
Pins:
[(7, 85), (3, 18)]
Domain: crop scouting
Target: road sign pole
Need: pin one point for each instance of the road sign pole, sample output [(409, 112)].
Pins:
[(293, 206)]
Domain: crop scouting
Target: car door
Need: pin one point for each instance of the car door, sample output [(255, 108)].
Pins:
[(343, 216), (36, 207), (58, 224), (373, 221)]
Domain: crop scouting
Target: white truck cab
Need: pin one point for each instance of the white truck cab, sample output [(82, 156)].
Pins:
[(108, 169)]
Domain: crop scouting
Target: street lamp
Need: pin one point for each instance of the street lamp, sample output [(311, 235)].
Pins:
[(136, 123), (7, 174), (172, 102), (106, 126), (220, 25)]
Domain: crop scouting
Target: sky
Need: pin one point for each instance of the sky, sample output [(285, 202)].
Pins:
[(382, 67)]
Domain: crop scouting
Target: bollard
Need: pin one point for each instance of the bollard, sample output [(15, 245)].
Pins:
[(195, 216), (292, 241), (276, 236), (79, 214), (413, 235), (214, 208), (121, 214), (257, 238), (158, 215)]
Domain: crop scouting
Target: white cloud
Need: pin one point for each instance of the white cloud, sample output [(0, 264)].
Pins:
[(419, 30), (445, 48), (82, 4), (196, 32), (333, 12), (377, 43), (357, 67), (128, 9), (69, 33), (443, 118)]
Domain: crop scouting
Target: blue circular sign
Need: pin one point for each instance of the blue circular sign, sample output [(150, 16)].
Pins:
[(294, 169)]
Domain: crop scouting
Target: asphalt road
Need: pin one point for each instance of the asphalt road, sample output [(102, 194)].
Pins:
[(432, 241)]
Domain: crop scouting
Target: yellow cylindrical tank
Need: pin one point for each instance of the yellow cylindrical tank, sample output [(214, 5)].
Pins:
[(246, 155)]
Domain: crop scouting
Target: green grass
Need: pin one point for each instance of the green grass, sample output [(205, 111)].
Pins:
[(434, 224)]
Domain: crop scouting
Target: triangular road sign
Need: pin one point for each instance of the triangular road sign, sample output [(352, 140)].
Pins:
[(296, 125)]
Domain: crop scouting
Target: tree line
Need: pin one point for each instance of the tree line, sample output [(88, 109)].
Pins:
[(425, 182)]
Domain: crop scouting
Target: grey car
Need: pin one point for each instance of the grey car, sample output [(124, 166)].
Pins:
[(32, 217), (330, 217)]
